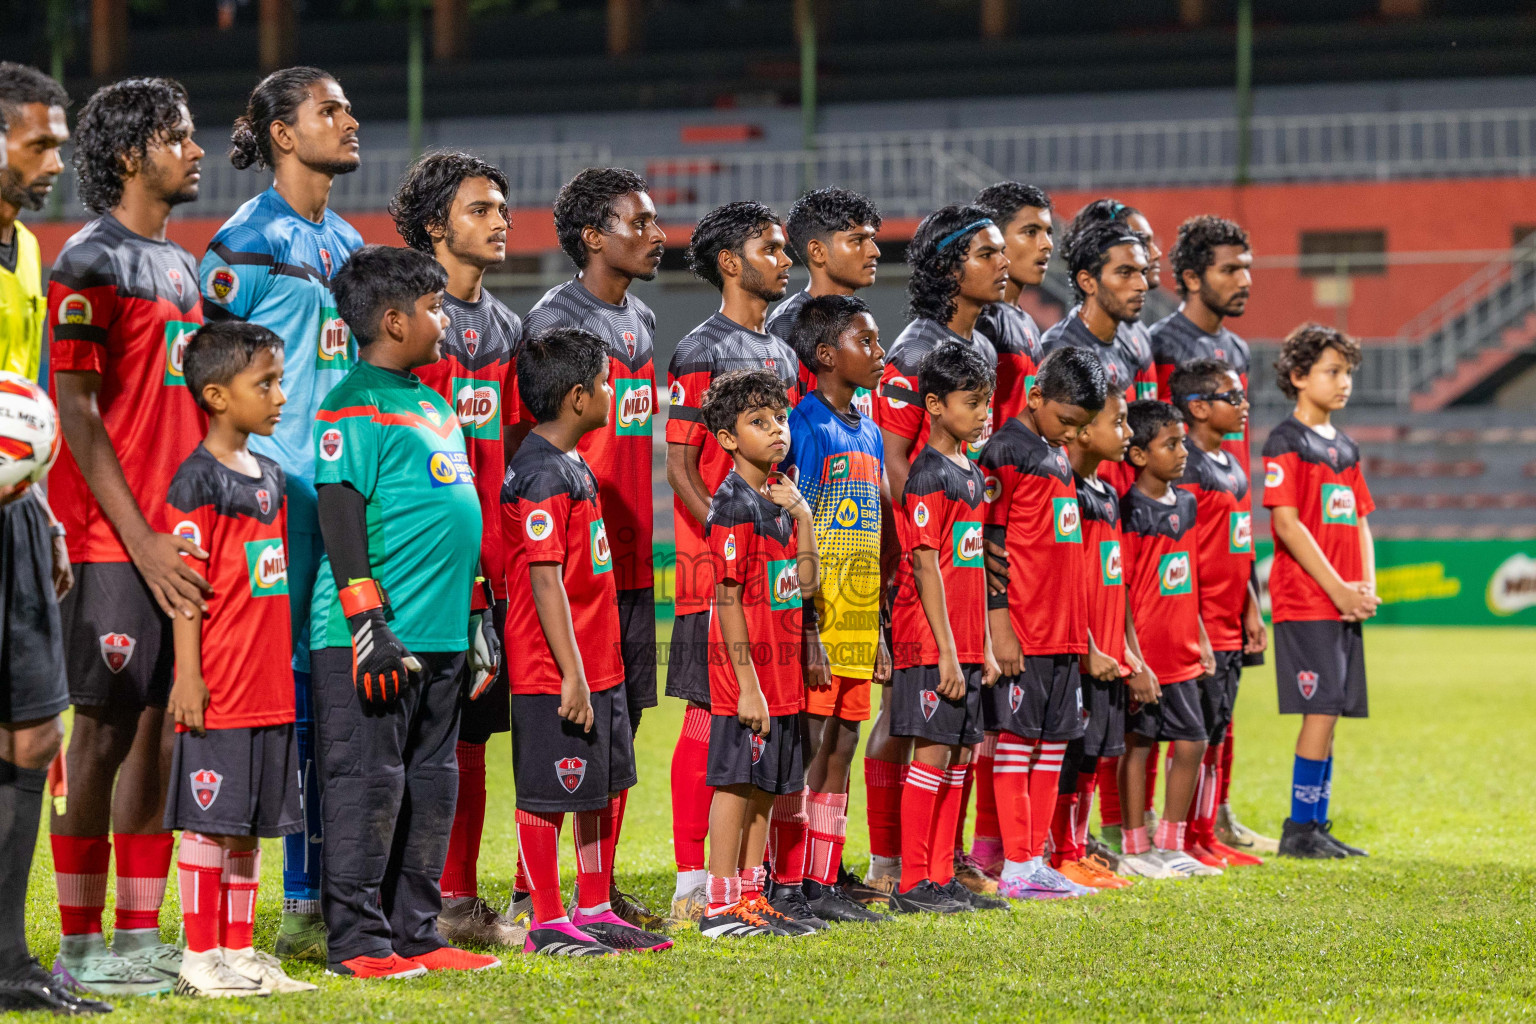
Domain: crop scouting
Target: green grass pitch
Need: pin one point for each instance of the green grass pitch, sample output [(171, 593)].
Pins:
[(1438, 924)]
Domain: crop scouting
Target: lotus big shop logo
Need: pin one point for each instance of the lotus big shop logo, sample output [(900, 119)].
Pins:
[(928, 703), (571, 771)]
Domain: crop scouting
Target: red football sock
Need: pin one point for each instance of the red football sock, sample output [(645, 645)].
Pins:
[(965, 800), (199, 868), (143, 862), (237, 885), (616, 806), (618, 813), (919, 802), (753, 879), (882, 787), (80, 872), (593, 832), (827, 828), (468, 824), (691, 795), (1044, 780), (1169, 835), (538, 851), (722, 892), (1087, 781), (786, 838), (1010, 781), (1063, 818), (1136, 841), (1109, 791), (986, 794), (1223, 796), (951, 807), (1202, 809), (1152, 760)]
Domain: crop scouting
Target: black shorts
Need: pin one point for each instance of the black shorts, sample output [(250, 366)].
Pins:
[(235, 782), (1320, 668), (117, 642), (1175, 716), (1218, 694), (556, 766), (688, 659), (1044, 702), (1104, 716), (491, 712), (637, 645), (33, 684), (739, 757), (918, 710)]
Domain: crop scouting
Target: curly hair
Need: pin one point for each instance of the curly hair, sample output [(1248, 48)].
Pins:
[(1304, 346), (587, 200), (935, 279), (727, 227), (275, 98), (1100, 211), (738, 391), (21, 84), (1088, 249), (117, 124), (425, 196), (1005, 199), (824, 212), (1195, 248)]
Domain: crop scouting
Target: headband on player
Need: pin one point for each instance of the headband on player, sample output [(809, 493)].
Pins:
[(974, 225)]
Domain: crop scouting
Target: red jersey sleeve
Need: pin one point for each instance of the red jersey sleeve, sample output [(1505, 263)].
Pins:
[(79, 314), (687, 380), (544, 525), (1164, 373), (898, 407), (1282, 476), (198, 526), (923, 515), (729, 545), (1363, 504)]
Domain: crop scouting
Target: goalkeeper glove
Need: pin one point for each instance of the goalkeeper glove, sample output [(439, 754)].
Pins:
[(484, 645), (380, 662)]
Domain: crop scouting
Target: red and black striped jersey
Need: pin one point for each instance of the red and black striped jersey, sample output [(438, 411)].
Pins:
[(753, 543), (124, 306), (900, 408), (1122, 365), (551, 512), (1016, 338), (1032, 512), (1225, 540), (477, 376), (1320, 478), (716, 346), (620, 453), (941, 509), (1161, 564), (1176, 341), (242, 523), (1100, 507)]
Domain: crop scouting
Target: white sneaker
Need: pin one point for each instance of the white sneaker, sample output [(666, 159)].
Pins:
[(207, 975), (1182, 865), (265, 970), (1145, 865)]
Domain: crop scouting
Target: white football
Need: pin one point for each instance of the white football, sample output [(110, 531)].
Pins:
[(29, 431)]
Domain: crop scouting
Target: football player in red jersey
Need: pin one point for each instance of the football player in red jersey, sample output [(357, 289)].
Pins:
[(122, 302), (453, 206), (1323, 585)]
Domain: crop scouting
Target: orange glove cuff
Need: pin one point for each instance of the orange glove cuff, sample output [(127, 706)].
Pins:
[(362, 596)]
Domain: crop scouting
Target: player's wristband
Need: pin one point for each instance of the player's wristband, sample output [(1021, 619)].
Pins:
[(362, 596), (479, 595)]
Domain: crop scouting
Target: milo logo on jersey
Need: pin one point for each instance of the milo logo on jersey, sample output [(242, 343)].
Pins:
[(449, 468), (783, 585), (864, 401), (266, 564), (1110, 573), (1173, 575), (1146, 389), (967, 540), (477, 403), (633, 404), (334, 350), (177, 334), (1339, 505), (597, 544), (1240, 533), (1067, 520)]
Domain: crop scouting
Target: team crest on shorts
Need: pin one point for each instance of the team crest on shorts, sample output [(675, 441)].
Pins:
[(1015, 697), (264, 500), (117, 650), (570, 771), (205, 786), (758, 743), (928, 700), (1306, 682)]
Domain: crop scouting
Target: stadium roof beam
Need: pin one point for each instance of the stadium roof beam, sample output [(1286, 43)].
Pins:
[(450, 23), (624, 17), (109, 37), (275, 33)]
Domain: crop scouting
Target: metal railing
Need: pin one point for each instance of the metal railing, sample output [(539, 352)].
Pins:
[(1385, 377)]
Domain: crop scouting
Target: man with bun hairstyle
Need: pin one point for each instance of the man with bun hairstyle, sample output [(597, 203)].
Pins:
[(272, 264)]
